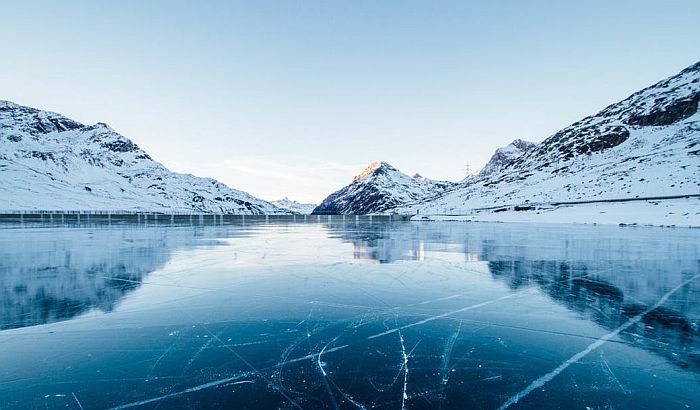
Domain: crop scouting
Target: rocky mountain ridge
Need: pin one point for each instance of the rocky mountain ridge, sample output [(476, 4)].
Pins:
[(647, 145)]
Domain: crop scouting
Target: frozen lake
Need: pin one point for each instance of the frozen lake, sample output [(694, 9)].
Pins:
[(349, 315)]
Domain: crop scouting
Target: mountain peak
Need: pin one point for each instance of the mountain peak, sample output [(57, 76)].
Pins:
[(504, 155), (375, 168), (294, 206), (378, 188), (103, 125)]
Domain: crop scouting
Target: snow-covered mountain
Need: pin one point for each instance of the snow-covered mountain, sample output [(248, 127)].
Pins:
[(647, 145), (506, 155), (294, 206), (50, 162), (378, 188)]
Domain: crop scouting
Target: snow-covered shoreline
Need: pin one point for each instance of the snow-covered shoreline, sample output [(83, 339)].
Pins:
[(684, 212)]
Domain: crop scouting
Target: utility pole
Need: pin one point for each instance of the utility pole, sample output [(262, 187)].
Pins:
[(468, 169)]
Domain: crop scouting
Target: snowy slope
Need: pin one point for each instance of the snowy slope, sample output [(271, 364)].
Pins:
[(645, 146), (50, 162), (294, 206), (378, 188)]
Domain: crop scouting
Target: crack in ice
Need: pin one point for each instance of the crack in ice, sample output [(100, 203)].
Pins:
[(450, 313), (583, 353), (179, 393), (250, 365), (323, 373), (197, 354), (447, 353), (619, 384), (405, 371), (77, 401)]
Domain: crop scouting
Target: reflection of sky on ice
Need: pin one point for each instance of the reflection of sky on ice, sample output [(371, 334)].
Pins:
[(349, 315)]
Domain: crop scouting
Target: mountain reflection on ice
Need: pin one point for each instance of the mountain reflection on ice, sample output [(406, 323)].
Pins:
[(349, 315), (48, 275)]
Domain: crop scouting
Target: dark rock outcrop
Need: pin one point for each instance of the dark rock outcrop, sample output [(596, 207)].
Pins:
[(672, 113)]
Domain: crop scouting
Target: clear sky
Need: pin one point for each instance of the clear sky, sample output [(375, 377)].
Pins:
[(293, 98)]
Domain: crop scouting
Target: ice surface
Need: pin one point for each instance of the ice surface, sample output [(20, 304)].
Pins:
[(349, 315)]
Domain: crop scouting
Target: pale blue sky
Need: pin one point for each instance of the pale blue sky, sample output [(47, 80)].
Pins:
[(293, 98)]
